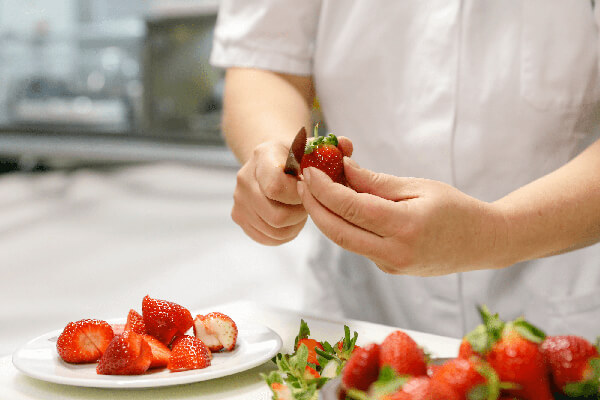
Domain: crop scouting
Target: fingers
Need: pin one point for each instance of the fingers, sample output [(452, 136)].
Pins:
[(345, 145), (382, 185), (364, 210), (273, 182), (340, 231)]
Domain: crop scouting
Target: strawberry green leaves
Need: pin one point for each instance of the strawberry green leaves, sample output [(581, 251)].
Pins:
[(302, 378)]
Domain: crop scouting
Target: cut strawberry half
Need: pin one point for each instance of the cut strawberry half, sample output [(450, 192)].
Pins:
[(160, 352), (164, 319), (127, 354), (84, 341), (189, 353), (135, 322), (217, 330)]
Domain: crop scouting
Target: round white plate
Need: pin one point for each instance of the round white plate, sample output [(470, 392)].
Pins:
[(39, 359)]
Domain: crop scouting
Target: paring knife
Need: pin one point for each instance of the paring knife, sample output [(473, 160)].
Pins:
[(292, 164)]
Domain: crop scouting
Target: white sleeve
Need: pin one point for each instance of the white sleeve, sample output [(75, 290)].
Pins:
[(277, 35)]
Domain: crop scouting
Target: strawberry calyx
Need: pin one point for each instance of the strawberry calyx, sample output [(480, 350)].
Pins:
[(319, 141), (486, 334), (527, 330)]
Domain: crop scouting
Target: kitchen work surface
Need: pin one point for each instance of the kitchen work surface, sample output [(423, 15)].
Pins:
[(100, 239), (246, 385)]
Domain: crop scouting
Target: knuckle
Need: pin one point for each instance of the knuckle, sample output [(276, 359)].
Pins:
[(273, 189), (349, 210)]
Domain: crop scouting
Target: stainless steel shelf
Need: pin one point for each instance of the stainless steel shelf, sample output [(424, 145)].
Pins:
[(112, 148)]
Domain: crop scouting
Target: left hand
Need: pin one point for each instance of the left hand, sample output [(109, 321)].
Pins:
[(406, 225)]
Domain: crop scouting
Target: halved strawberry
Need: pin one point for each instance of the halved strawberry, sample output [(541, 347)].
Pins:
[(127, 354), (117, 328), (135, 322), (160, 352), (84, 341), (217, 330), (401, 352), (164, 319), (189, 353), (362, 368)]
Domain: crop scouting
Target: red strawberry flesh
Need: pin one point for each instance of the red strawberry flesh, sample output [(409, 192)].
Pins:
[(164, 319), (84, 341)]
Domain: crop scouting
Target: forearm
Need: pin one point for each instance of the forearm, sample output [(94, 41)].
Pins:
[(556, 213), (261, 106)]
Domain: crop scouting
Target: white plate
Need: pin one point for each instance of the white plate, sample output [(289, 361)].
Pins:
[(39, 359)]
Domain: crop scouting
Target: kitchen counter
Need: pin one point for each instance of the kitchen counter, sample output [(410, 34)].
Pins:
[(243, 386)]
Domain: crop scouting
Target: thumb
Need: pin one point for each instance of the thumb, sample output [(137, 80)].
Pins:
[(389, 187)]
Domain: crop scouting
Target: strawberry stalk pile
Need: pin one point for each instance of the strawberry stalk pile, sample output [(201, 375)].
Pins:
[(301, 374), (322, 152), (157, 338), (497, 360)]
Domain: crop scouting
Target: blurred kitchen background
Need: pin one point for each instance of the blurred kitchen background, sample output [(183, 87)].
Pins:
[(114, 178)]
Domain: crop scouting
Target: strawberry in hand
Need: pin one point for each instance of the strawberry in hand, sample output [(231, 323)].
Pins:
[(322, 152)]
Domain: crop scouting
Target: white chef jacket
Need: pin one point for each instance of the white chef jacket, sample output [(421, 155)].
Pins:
[(484, 95)]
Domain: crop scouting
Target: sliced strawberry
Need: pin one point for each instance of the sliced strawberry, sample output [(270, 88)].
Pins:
[(118, 328), (311, 344), (189, 353), (135, 322), (217, 330), (401, 352), (281, 391), (362, 368), (311, 373), (164, 319), (160, 352), (127, 354), (84, 341)]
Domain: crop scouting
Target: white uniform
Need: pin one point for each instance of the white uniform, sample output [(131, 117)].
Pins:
[(484, 95)]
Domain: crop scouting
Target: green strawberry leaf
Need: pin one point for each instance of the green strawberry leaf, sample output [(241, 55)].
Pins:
[(491, 389), (528, 330), (355, 394), (303, 333), (388, 382), (479, 339)]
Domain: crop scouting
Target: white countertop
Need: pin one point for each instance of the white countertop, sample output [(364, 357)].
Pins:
[(243, 386)]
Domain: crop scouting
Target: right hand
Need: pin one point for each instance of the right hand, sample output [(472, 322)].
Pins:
[(266, 204)]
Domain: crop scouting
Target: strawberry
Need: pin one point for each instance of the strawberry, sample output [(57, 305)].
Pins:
[(464, 378), (189, 353), (127, 354), (517, 359), (217, 330), (281, 391), (417, 387), (164, 319), (84, 341), (160, 352), (324, 154), (312, 353), (135, 322), (574, 364), (311, 373), (362, 369), (401, 352), (117, 328)]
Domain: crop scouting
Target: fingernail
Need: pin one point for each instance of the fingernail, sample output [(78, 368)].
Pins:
[(306, 175), (350, 162), (300, 188)]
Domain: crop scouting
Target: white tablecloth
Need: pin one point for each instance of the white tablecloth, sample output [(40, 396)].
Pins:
[(244, 386)]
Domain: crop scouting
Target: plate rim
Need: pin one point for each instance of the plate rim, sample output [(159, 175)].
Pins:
[(122, 383)]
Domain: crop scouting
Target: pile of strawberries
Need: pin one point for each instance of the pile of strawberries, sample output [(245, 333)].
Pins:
[(157, 338), (497, 360)]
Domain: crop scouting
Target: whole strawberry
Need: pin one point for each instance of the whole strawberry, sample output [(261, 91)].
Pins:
[(362, 369), (402, 354), (517, 359), (463, 378), (322, 152), (574, 364)]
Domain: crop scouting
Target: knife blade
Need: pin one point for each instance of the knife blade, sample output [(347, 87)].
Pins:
[(292, 164)]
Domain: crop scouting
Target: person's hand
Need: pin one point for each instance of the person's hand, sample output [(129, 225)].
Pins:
[(405, 225), (266, 202)]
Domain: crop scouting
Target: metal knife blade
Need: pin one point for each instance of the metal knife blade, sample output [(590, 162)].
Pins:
[(292, 164)]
